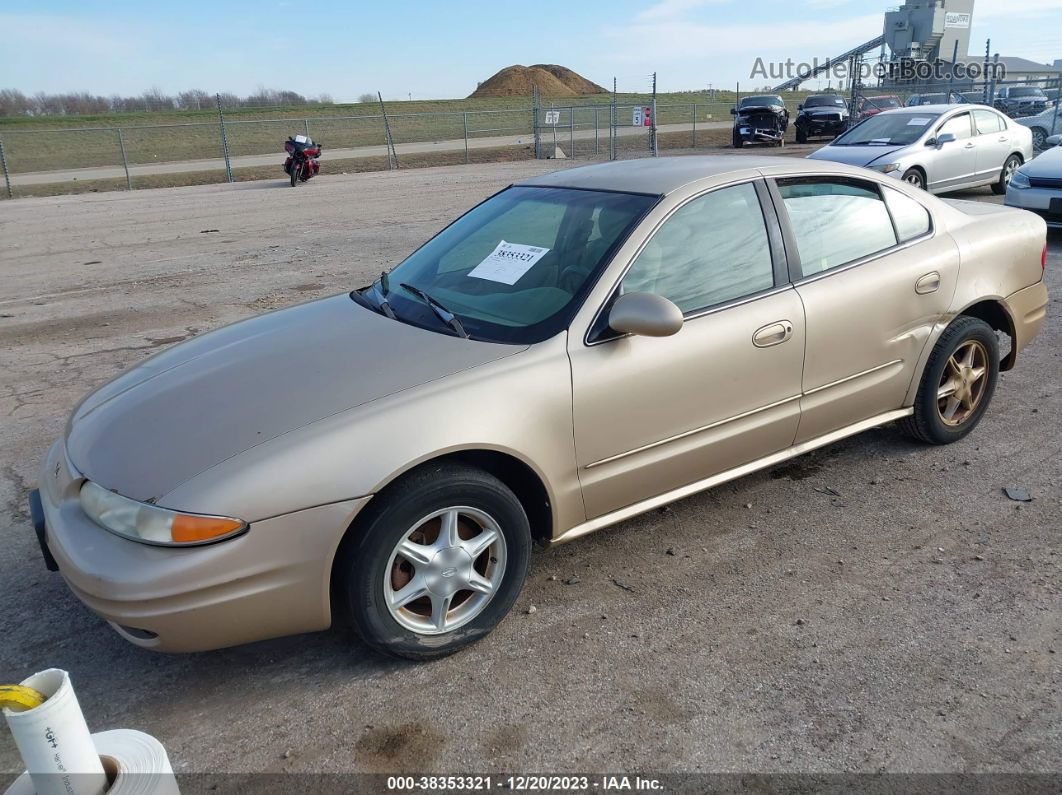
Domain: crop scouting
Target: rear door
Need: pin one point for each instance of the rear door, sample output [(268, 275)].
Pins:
[(874, 279), (953, 164), (993, 143)]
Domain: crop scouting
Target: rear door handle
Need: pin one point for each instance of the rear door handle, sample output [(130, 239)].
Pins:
[(773, 334), (1004, 139), (929, 283), (970, 146)]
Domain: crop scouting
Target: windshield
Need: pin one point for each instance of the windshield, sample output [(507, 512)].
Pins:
[(821, 102), (887, 129), (752, 102), (1017, 93), (515, 268), (882, 102)]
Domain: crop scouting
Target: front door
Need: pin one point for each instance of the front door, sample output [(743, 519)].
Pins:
[(954, 164), (874, 280), (652, 415)]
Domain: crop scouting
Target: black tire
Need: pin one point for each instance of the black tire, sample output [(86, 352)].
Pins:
[(738, 141), (364, 563), (915, 177), (926, 424), (294, 173), (1012, 164), (1039, 138), (801, 136)]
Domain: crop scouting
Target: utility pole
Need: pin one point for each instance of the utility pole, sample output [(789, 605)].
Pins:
[(951, 75), (612, 124), (535, 132), (224, 140), (391, 153)]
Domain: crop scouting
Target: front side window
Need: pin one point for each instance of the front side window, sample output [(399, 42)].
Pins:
[(959, 126), (712, 250), (835, 221), (515, 268)]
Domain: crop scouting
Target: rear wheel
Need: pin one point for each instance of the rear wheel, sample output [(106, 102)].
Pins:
[(438, 562), (957, 383), (1012, 165), (915, 177), (295, 169)]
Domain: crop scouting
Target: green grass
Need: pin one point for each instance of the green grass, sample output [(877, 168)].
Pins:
[(70, 142)]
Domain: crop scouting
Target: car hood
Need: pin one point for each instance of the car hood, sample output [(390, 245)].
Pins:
[(213, 397), (854, 155), (1047, 165)]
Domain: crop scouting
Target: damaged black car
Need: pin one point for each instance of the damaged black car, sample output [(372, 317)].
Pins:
[(760, 120), (821, 116)]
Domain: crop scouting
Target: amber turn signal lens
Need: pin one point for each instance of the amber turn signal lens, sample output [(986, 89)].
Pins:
[(188, 529)]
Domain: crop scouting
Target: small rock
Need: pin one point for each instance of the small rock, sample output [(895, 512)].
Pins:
[(800, 622), (553, 578), (748, 505), (941, 713), (572, 581), (877, 480), (287, 754), (670, 551), (1017, 494), (623, 585), (586, 635), (979, 557)]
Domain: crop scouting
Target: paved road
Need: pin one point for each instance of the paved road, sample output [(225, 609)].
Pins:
[(458, 144), (878, 605)]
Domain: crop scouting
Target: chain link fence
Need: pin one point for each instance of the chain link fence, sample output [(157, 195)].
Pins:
[(228, 149)]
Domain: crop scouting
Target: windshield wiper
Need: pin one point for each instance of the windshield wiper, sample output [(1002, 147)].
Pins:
[(380, 285), (443, 313)]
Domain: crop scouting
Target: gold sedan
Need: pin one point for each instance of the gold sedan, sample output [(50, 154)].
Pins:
[(574, 351)]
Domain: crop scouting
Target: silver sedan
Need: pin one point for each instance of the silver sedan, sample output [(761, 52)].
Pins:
[(938, 148), (1037, 186)]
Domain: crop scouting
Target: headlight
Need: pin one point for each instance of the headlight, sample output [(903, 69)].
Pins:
[(150, 524), (887, 169), (1020, 181)]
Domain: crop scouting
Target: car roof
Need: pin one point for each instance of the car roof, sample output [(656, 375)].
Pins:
[(659, 176)]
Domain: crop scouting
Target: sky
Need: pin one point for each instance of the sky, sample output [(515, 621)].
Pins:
[(432, 49)]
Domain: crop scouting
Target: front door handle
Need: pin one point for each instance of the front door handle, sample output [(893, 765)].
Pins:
[(773, 334), (971, 146), (929, 283)]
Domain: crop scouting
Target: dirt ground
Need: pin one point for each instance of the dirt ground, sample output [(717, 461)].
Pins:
[(875, 606)]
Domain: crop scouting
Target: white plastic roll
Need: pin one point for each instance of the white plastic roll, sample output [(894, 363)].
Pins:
[(54, 741), (136, 764)]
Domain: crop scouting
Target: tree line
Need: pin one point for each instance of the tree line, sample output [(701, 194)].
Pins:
[(81, 103)]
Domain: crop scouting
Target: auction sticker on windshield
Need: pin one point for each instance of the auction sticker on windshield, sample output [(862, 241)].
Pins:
[(919, 121), (508, 262)]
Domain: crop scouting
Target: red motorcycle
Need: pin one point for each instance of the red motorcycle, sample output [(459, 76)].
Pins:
[(302, 159)]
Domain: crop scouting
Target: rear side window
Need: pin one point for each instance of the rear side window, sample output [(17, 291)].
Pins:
[(911, 218), (987, 122), (835, 221)]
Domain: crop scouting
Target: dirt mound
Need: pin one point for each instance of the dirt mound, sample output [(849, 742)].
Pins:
[(552, 81)]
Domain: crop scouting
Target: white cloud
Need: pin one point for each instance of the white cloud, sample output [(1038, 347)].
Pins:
[(671, 9), (773, 41)]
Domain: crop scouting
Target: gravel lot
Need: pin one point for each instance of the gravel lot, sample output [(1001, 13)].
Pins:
[(875, 606)]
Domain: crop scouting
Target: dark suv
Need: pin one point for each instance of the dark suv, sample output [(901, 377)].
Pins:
[(1018, 101), (821, 115), (760, 120)]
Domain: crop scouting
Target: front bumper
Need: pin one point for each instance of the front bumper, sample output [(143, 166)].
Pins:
[(820, 128), (273, 580), (1045, 202)]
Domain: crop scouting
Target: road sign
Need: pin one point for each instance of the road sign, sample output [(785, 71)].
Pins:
[(637, 117), (553, 117)]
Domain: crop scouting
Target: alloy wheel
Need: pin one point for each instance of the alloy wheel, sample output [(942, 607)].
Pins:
[(1008, 170), (444, 570), (962, 386), (914, 178)]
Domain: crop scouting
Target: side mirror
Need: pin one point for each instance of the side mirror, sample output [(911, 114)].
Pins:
[(645, 315), (733, 111), (944, 138), (1054, 140), (800, 106)]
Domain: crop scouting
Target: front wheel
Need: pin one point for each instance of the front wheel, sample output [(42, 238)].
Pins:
[(1009, 168), (801, 136), (957, 383), (1039, 135), (294, 172), (915, 178), (738, 141), (439, 560)]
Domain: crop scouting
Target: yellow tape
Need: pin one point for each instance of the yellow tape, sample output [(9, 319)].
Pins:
[(19, 699)]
